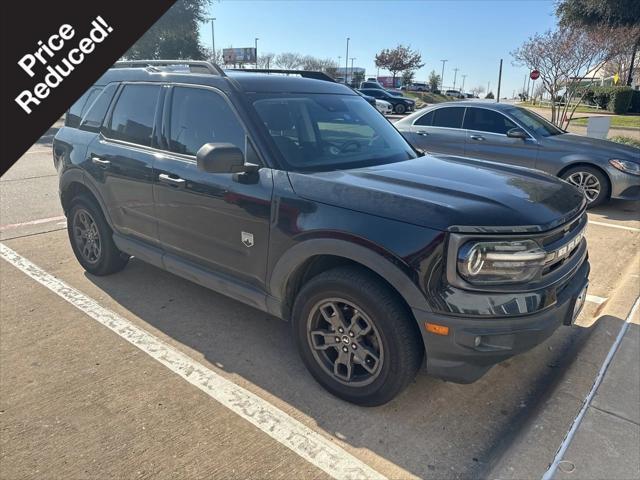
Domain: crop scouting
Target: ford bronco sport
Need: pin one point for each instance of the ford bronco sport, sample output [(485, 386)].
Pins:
[(292, 194)]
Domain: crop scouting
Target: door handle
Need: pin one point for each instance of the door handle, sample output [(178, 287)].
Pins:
[(477, 137), (422, 133), (101, 163), (173, 181)]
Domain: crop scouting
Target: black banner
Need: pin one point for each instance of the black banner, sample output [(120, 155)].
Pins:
[(53, 51)]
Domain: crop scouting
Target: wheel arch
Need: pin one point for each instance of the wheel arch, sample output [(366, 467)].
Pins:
[(309, 258), (73, 183)]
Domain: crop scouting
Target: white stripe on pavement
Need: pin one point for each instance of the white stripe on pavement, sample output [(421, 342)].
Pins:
[(31, 222), (613, 225), (595, 299), (310, 445), (548, 475)]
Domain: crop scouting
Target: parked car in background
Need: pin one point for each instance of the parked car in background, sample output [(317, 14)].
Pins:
[(395, 93), (514, 135), (470, 95), (454, 94), (418, 87), (400, 104), (372, 101), (383, 106), (371, 84)]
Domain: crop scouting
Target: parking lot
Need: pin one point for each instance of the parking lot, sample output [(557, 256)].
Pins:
[(161, 377)]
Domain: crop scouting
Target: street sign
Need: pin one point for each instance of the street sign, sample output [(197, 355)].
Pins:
[(534, 75), (239, 55)]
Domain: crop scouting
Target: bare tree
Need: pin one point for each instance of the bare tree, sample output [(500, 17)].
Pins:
[(266, 60), (567, 58), (217, 58), (477, 90), (289, 60)]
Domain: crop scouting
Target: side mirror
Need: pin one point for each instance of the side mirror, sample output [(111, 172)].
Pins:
[(517, 133), (220, 158)]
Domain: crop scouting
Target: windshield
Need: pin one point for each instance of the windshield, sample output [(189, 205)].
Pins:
[(535, 123), (328, 132)]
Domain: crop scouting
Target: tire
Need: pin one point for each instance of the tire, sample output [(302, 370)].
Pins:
[(584, 176), (98, 254), (384, 330), (400, 109)]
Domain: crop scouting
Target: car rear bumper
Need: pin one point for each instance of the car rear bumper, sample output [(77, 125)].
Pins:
[(473, 345)]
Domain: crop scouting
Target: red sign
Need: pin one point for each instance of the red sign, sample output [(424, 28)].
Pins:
[(534, 75)]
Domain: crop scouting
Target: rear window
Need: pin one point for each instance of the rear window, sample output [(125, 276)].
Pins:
[(81, 105), (134, 113), (448, 117), (92, 120)]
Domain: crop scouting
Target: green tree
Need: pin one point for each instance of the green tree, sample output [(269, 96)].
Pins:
[(358, 78), (623, 14), (489, 95), (398, 60), (175, 35), (434, 81), (407, 77)]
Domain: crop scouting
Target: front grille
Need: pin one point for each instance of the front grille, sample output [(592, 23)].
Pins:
[(562, 244)]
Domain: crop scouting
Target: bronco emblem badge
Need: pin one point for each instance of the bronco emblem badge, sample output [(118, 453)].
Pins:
[(247, 239)]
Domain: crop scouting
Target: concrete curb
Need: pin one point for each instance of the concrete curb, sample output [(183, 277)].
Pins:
[(533, 446)]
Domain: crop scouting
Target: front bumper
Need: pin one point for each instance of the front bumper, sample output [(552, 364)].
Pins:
[(460, 358), (624, 186)]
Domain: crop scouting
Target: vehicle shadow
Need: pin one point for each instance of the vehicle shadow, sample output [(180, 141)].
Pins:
[(434, 429), (620, 210)]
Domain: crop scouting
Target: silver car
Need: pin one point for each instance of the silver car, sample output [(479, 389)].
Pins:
[(513, 135)]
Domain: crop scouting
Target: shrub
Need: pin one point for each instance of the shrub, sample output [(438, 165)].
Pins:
[(620, 100), (635, 102), (601, 96), (489, 95), (626, 140)]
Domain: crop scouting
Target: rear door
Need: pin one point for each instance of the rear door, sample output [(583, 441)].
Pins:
[(487, 139), (120, 160), (210, 219), (440, 131)]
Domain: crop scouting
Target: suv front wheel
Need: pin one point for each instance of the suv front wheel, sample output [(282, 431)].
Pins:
[(355, 336)]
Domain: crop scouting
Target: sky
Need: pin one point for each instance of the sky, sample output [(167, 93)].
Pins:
[(473, 35)]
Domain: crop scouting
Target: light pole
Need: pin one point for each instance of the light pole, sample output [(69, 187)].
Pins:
[(352, 59), (213, 39), (346, 62), (256, 43), (499, 82), (488, 87), (455, 76), (464, 77), (442, 76)]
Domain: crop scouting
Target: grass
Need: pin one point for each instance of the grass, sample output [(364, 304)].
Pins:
[(580, 109), (624, 121), (428, 97), (626, 140)]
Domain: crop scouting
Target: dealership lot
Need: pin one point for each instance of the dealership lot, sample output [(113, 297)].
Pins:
[(79, 400)]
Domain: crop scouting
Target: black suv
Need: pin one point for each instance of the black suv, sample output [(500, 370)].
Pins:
[(295, 196)]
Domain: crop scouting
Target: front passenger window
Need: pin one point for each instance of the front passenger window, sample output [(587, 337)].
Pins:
[(484, 120), (200, 116)]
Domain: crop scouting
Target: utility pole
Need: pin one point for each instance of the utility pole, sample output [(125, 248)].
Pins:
[(442, 76), (346, 60), (464, 77), (213, 40), (455, 76), (352, 59), (499, 82), (524, 85), (256, 42)]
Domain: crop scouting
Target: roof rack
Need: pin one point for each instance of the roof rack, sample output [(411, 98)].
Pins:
[(303, 73), (195, 66)]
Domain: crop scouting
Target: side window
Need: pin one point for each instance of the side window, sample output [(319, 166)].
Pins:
[(484, 120), (133, 115), (92, 119), (78, 109), (425, 119), (200, 116), (450, 117)]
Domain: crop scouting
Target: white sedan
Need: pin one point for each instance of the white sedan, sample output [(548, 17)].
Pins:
[(384, 107)]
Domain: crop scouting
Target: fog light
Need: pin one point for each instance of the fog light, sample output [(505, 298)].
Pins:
[(477, 341)]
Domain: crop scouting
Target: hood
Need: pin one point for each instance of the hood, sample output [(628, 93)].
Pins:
[(595, 146), (448, 193)]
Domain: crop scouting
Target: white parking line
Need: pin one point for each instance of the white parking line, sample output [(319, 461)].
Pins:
[(613, 225), (595, 299), (310, 445), (11, 226), (548, 475)]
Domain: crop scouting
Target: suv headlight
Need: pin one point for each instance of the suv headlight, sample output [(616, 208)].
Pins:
[(626, 166), (486, 263)]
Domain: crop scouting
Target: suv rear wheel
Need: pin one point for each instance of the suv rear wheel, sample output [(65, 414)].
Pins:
[(92, 239), (355, 337), (400, 109)]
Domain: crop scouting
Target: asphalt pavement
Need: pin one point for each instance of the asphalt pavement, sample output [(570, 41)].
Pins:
[(97, 373)]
